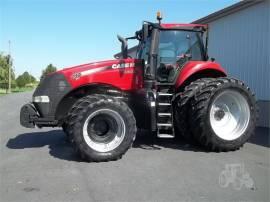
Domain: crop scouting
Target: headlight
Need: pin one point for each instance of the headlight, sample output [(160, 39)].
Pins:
[(42, 98)]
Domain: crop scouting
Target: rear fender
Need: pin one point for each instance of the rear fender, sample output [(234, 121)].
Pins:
[(199, 69)]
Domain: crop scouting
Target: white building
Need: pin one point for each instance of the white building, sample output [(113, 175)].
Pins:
[(239, 40)]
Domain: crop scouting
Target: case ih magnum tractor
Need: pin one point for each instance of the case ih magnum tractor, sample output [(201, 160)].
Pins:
[(170, 88)]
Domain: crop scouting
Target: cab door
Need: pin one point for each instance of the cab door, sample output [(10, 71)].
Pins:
[(176, 47)]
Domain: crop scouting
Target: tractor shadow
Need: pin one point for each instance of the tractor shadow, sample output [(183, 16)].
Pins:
[(59, 148), (55, 140), (145, 140)]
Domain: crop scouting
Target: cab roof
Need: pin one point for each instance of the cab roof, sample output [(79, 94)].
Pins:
[(182, 26)]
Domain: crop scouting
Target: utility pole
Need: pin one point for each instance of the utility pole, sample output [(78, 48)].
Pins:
[(9, 69)]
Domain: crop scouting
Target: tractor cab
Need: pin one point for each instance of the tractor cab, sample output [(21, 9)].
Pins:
[(165, 48), (174, 47)]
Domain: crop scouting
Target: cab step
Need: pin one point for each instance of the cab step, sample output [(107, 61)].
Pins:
[(163, 135), (164, 124), (164, 94), (164, 104), (164, 114)]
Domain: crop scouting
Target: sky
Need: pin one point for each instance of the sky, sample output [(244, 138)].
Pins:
[(71, 32)]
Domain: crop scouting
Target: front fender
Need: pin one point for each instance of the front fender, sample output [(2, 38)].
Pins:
[(193, 67)]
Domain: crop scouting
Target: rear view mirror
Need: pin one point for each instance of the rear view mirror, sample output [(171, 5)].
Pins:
[(145, 31), (124, 47)]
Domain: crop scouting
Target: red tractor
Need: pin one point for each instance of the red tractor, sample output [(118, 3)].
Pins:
[(170, 88)]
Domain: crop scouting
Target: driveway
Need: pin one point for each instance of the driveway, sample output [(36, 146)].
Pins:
[(39, 165)]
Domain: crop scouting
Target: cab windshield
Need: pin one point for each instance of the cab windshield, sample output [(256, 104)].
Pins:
[(175, 49), (173, 45)]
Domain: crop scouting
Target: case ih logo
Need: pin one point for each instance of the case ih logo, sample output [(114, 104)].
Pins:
[(122, 65), (78, 75)]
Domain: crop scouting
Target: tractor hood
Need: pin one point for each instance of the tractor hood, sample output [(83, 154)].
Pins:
[(93, 67), (118, 73)]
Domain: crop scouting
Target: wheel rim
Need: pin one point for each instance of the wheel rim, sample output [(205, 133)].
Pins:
[(229, 115), (104, 130)]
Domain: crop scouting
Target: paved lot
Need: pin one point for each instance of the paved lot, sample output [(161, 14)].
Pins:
[(39, 165)]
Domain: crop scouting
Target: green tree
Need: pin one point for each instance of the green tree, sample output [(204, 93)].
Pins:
[(32, 79), (24, 79), (5, 64), (20, 81), (49, 69)]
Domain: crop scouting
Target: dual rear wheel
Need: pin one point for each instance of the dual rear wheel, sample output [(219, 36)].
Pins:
[(219, 114)]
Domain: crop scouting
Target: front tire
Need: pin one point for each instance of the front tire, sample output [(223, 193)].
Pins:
[(223, 114), (103, 128)]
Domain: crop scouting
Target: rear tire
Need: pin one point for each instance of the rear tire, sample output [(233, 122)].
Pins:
[(103, 128), (223, 114), (182, 106)]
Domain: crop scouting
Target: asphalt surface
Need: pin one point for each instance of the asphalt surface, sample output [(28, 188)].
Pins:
[(39, 165)]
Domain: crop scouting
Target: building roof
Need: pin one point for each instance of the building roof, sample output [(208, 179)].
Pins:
[(227, 11)]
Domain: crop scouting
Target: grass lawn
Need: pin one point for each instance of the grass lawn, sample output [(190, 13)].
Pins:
[(15, 90)]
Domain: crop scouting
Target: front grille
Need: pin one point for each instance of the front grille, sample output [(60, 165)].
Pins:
[(56, 87)]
